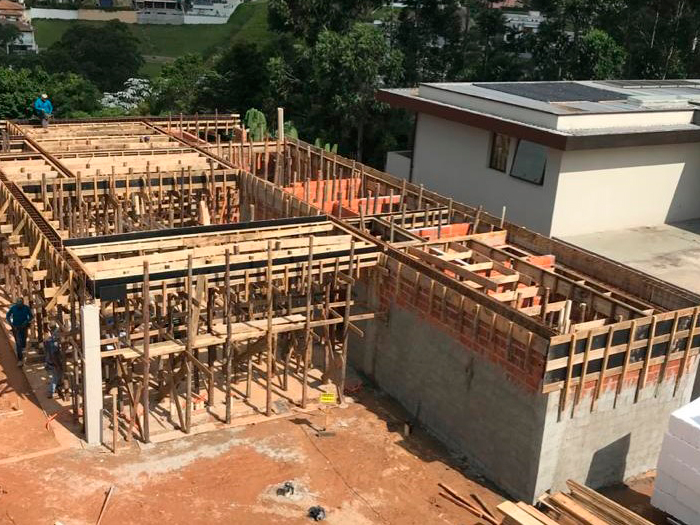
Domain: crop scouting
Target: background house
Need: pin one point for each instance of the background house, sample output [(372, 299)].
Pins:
[(17, 14), (564, 158)]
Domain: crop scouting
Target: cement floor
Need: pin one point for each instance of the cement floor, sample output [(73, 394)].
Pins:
[(669, 251)]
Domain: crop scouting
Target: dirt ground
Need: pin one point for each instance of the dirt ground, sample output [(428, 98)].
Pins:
[(635, 494), (366, 473)]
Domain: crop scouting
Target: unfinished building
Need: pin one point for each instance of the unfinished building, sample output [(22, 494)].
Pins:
[(200, 279)]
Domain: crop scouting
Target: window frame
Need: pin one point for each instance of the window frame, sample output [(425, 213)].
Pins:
[(544, 167), (492, 151)]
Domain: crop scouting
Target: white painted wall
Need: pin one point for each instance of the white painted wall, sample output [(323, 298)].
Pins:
[(453, 159), (56, 14), (398, 163), (128, 17), (617, 188)]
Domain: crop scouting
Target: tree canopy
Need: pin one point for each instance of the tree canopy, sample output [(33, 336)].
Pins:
[(107, 55), (180, 85), (306, 19), (69, 92)]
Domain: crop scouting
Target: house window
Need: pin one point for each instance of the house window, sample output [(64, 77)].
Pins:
[(500, 146), (529, 162)]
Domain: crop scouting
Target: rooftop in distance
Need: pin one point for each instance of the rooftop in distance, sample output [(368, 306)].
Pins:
[(568, 107)]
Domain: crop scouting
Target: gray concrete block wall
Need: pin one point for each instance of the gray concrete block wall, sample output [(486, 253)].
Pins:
[(462, 398), (608, 445), (512, 435)]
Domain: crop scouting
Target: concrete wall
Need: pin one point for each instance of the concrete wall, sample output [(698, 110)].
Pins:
[(466, 401), (509, 430), (172, 17), (608, 445), (626, 187), (453, 159)]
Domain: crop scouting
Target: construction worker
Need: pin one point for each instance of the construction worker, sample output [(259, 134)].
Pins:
[(53, 360), (19, 316), (43, 109)]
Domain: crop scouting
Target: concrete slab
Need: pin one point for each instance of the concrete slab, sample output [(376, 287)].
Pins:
[(669, 251)]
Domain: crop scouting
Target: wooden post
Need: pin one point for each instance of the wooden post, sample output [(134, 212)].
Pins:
[(280, 144), (268, 403), (307, 328), (146, 352), (647, 357), (115, 421), (686, 351), (346, 323), (626, 362), (603, 368), (227, 316), (188, 348), (545, 302)]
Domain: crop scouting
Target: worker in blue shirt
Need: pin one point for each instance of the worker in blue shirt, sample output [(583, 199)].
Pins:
[(43, 109), (53, 362), (19, 316)]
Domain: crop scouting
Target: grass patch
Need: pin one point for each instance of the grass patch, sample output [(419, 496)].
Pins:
[(248, 22), (151, 70)]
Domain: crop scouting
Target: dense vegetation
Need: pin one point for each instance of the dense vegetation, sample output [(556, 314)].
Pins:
[(324, 59)]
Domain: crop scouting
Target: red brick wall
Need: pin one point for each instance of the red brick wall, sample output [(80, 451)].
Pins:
[(522, 366)]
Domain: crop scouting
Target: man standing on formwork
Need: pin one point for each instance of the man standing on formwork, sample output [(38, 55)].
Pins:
[(43, 109), (19, 316)]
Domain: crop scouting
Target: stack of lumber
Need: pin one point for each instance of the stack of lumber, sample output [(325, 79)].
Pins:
[(582, 506)]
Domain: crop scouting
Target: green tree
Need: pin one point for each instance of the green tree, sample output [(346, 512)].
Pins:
[(240, 78), (71, 94), (255, 121), (8, 34), (430, 35), (107, 54), (180, 86), (599, 56), (306, 19), (18, 90), (488, 54), (347, 69)]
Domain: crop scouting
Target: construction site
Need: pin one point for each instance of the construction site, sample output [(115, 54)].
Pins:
[(203, 283)]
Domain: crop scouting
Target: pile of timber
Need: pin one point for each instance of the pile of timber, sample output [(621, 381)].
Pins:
[(582, 506)]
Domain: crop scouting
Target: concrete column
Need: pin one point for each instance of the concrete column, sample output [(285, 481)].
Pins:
[(92, 372)]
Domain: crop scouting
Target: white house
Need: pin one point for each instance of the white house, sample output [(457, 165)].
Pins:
[(523, 23), (564, 158), (16, 14), (178, 12)]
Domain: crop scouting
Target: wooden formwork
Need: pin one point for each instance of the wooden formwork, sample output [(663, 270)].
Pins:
[(153, 235), (583, 305), (217, 261)]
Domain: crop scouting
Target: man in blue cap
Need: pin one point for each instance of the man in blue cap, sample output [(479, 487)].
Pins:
[(43, 109), (19, 316)]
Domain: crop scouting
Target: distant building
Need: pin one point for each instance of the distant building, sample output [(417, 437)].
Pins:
[(184, 11), (16, 14), (507, 4), (564, 158), (523, 23)]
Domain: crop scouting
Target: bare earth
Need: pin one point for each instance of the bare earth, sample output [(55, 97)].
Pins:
[(366, 473)]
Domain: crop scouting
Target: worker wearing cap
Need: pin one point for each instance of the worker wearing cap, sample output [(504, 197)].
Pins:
[(19, 316), (43, 109)]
